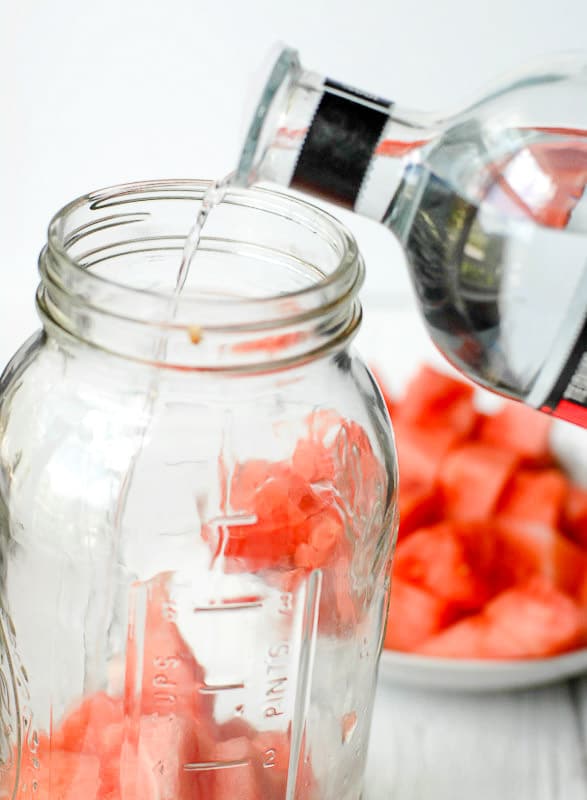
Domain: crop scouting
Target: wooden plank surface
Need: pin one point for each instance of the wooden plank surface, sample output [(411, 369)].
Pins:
[(506, 746)]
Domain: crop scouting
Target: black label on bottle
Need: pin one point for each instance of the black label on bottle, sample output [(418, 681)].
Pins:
[(340, 143), (568, 398)]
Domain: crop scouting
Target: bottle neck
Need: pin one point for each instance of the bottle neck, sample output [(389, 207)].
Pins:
[(331, 141)]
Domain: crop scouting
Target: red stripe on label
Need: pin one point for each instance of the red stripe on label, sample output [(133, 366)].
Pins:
[(572, 412), (395, 149)]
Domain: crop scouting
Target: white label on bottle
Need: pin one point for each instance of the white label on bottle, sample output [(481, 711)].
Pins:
[(381, 180), (568, 397), (564, 368), (577, 388)]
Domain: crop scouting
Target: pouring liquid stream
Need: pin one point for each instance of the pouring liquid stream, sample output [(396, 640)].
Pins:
[(213, 196)]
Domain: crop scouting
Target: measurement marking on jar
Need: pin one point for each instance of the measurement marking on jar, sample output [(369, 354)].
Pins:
[(286, 603), (221, 687), (227, 605), (238, 518), (276, 685), (206, 766)]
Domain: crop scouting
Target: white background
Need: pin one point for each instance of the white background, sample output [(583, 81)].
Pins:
[(95, 93), (107, 91)]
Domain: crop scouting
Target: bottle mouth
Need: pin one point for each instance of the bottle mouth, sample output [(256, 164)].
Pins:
[(280, 72), (275, 279)]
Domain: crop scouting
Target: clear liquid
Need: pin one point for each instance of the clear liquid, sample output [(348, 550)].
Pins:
[(497, 250), (214, 195)]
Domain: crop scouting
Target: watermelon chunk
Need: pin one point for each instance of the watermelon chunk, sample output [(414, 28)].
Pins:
[(326, 533), (112, 738), (520, 429), (421, 451), (480, 543), (532, 621), (574, 515), (314, 458), (171, 676), (241, 779), (281, 504), (510, 515), (154, 766), (159, 756), (419, 505), (439, 560), (313, 462), (272, 751), (414, 615), (288, 513), (248, 477), (337, 451), (473, 478), (95, 727), (67, 776), (83, 728), (464, 639), (535, 496), (296, 523), (525, 549), (434, 398), (294, 513)]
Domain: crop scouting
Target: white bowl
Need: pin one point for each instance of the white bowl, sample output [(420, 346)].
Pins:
[(394, 340)]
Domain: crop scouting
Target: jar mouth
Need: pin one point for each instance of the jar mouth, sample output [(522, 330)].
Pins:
[(269, 266)]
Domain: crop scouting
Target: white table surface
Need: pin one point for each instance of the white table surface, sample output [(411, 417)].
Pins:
[(528, 745)]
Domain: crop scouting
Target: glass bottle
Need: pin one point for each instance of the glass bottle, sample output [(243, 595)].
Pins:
[(488, 204), (197, 508)]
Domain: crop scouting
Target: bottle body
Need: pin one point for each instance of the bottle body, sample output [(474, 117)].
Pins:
[(194, 559), (489, 206), (503, 297)]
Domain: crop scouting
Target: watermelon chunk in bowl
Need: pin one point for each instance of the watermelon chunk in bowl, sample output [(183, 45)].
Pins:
[(493, 500)]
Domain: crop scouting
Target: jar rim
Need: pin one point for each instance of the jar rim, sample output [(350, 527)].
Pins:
[(69, 280), (111, 195)]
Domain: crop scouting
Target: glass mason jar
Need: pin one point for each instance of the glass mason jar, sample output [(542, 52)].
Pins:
[(197, 508)]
